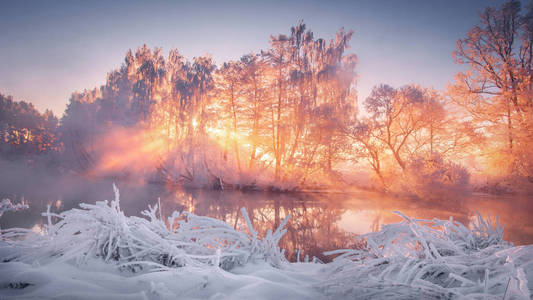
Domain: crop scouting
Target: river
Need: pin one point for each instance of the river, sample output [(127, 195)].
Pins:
[(318, 221)]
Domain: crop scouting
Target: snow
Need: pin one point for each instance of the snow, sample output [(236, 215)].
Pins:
[(102, 281), (98, 252)]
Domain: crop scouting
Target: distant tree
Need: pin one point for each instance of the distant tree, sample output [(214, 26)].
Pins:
[(150, 74), (278, 57), (79, 129), (229, 92), (445, 131), (24, 132), (396, 115), (254, 80), (362, 133)]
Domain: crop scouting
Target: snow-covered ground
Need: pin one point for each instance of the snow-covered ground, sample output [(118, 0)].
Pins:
[(99, 280), (97, 252)]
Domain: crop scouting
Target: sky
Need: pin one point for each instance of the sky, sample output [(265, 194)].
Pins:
[(49, 49)]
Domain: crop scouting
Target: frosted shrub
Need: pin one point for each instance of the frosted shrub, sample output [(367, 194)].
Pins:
[(429, 177), (509, 172)]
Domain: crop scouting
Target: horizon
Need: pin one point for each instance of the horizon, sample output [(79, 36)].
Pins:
[(394, 42)]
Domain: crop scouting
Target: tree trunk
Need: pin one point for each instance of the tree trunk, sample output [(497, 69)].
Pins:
[(509, 127)]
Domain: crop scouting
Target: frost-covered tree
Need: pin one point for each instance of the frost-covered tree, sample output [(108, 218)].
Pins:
[(229, 93), (496, 89), (254, 80), (397, 116), (279, 111)]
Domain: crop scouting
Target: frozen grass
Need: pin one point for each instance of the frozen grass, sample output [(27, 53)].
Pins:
[(6, 205), (98, 252), (102, 230), (433, 259)]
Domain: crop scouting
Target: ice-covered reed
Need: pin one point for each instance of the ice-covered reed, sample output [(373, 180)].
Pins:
[(102, 231), (432, 259), (6, 205)]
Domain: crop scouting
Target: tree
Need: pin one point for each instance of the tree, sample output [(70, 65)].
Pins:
[(396, 115), (229, 91), (279, 57), (254, 91), (367, 145), (496, 89), (150, 72)]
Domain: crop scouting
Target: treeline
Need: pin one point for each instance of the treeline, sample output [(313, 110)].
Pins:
[(24, 132), (273, 116), (288, 117)]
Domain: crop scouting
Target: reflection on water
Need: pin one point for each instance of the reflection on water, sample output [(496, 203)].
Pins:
[(319, 221)]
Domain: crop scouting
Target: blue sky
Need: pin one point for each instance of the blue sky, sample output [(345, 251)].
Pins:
[(48, 49)]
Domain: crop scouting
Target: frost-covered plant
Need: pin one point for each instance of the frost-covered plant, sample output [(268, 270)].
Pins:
[(432, 259), (427, 177), (6, 205), (102, 231)]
